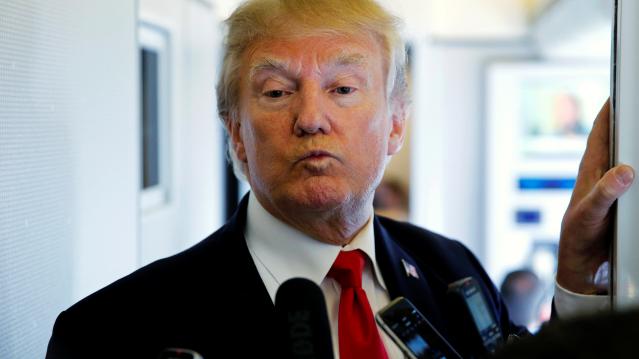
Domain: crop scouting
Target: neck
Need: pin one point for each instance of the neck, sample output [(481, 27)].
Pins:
[(337, 226)]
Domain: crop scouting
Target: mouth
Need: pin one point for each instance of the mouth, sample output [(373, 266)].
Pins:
[(315, 155)]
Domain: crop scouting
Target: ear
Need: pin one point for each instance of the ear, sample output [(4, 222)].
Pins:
[(398, 126), (233, 128)]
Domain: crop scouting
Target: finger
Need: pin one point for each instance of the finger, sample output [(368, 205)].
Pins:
[(611, 186), (598, 141), (595, 160)]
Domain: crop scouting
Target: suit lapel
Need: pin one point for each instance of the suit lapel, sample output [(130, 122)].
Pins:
[(404, 277), (252, 284)]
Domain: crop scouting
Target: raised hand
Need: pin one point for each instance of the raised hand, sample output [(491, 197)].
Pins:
[(586, 230)]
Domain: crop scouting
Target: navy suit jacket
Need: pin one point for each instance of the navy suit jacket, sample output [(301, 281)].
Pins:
[(211, 299)]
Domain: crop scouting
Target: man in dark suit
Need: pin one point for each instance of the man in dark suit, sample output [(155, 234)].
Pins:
[(210, 298), (313, 96)]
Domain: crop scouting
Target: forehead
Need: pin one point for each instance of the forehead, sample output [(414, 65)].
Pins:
[(313, 52)]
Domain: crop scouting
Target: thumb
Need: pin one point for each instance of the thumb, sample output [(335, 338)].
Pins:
[(611, 186)]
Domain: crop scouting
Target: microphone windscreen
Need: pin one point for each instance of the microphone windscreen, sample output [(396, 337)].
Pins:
[(302, 322)]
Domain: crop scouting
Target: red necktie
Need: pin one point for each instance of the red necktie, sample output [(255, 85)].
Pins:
[(357, 331)]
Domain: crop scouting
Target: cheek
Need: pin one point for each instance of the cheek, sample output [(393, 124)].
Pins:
[(369, 145), (375, 135), (263, 139)]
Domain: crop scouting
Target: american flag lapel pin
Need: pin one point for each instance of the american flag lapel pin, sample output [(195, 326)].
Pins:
[(410, 269)]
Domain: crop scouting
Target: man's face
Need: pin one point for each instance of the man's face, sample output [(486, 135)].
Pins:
[(315, 127)]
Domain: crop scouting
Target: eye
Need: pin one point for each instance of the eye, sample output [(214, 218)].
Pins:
[(344, 90), (274, 93)]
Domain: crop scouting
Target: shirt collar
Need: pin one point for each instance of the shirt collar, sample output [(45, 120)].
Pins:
[(287, 253)]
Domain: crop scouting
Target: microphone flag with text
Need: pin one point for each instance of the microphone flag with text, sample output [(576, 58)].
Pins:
[(302, 322)]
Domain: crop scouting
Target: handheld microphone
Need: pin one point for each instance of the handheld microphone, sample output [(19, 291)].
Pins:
[(476, 322), (413, 333), (302, 322)]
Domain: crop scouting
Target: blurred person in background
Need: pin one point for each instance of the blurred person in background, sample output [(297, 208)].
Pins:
[(391, 200), (522, 291)]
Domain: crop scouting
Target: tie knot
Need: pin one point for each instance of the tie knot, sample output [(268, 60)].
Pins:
[(347, 269)]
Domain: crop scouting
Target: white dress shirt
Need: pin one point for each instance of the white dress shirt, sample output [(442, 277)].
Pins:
[(281, 252), (569, 304)]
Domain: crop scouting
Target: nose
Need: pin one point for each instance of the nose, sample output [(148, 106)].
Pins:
[(310, 113)]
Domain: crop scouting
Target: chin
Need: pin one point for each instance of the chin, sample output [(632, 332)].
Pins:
[(322, 201), (321, 197)]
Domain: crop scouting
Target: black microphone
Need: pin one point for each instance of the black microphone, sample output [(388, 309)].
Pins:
[(476, 324), (302, 323)]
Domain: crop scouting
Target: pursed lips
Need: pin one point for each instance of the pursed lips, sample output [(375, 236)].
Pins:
[(315, 154)]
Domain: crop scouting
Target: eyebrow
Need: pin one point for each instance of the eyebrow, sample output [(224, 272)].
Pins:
[(268, 64), (277, 65), (349, 59)]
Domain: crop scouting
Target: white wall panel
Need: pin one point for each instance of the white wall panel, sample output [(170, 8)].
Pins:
[(194, 208), (626, 245), (35, 168), (68, 160), (104, 107)]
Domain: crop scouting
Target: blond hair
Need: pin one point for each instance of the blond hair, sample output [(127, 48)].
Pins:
[(259, 19)]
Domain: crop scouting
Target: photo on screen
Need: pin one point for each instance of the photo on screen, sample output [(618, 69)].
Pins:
[(557, 112)]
